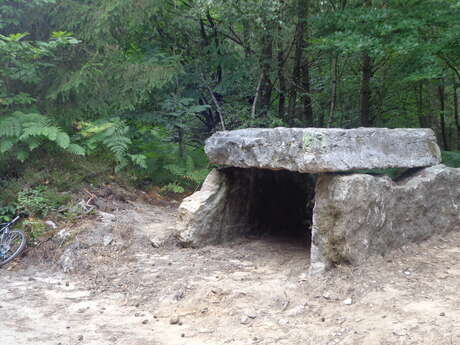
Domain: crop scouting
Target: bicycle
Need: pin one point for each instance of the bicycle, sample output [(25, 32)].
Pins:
[(12, 242)]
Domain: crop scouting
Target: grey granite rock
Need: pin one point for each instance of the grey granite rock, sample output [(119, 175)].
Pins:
[(359, 215), (314, 150)]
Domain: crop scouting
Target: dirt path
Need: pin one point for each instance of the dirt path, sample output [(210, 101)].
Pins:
[(251, 292)]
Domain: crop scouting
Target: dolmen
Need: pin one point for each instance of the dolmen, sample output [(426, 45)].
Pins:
[(324, 183)]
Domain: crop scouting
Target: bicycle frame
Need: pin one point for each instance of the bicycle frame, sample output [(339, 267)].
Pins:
[(6, 226)]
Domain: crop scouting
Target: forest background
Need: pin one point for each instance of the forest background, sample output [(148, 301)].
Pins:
[(93, 91)]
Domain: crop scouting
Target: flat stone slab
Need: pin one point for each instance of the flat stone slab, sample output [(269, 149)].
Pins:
[(316, 150)]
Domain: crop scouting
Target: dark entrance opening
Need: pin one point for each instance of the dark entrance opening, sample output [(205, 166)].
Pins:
[(274, 203)]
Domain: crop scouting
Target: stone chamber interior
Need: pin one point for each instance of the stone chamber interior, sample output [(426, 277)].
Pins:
[(267, 202)]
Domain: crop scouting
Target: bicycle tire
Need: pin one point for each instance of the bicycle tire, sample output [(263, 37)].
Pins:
[(14, 249)]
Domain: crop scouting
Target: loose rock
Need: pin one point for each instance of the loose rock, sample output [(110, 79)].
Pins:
[(348, 301), (174, 320)]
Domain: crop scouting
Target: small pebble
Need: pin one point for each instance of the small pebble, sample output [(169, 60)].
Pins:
[(348, 301), (251, 314), (244, 320), (80, 338), (283, 322), (145, 322), (442, 314), (174, 320)]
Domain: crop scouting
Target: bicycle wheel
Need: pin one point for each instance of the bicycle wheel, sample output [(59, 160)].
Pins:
[(11, 245)]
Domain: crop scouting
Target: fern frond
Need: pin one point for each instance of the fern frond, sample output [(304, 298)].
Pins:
[(63, 140), (32, 130), (76, 149), (6, 144), (10, 127), (139, 160)]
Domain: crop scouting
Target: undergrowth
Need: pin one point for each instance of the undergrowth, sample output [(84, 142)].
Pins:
[(48, 185), (451, 158)]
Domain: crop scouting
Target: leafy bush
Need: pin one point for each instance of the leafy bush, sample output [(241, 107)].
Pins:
[(7, 212), (22, 128)]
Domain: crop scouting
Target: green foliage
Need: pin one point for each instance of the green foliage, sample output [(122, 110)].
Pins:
[(8, 212), (46, 182), (22, 128), (34, 228), (22, 133), (167, 162), (139, 86), (112, 135), (451, 158), (186, 173), (393, 173), (172, 187), (40, 201)]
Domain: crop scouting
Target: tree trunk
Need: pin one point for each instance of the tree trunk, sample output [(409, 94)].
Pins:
[(307, 119), (281, 78), (218, 73), (180, 138), (306, 98), (366, 90), (421, 117), (333, 90), (247, 38), (295, 81), (301, 68), (456, 114), (296, 71), (442, 103), (266, 65)]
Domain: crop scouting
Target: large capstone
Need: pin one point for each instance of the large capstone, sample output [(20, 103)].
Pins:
[(360, 215), (315, 150)]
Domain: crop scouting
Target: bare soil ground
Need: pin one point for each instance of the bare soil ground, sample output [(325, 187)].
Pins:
[(104, 283)]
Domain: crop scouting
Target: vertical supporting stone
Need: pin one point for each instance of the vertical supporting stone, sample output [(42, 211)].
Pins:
[(219, 211), (359, 215)]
